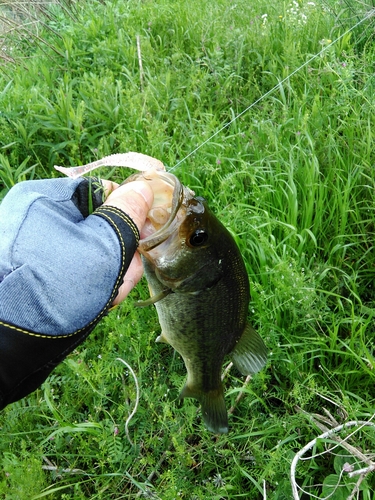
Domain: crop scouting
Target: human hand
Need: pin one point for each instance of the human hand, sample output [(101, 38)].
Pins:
[(135, 199), (60, 266)]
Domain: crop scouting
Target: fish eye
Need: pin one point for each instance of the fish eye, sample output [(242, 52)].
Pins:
[(198, 238)]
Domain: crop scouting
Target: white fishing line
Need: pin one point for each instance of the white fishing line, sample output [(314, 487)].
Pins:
[(331, 434), (136, 400), (269, 92)]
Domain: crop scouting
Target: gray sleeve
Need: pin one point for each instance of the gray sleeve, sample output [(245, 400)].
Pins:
[(60, 267)]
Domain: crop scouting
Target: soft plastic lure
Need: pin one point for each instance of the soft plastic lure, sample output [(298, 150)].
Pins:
[(137, 161)]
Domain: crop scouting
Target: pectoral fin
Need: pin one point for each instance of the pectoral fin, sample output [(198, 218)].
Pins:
[(153, 299), (162, 338), (250, 352), (214, 412)]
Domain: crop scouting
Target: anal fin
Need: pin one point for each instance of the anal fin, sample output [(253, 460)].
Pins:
[(250, 352), (162, 338)]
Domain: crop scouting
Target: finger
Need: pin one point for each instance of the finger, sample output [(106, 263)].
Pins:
[(131, 278), (109, 186), (135, 199)]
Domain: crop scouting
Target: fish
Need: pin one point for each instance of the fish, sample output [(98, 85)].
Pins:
[(199, 285)]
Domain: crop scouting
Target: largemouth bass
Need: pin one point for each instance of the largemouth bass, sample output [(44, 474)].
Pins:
[(199, 285)]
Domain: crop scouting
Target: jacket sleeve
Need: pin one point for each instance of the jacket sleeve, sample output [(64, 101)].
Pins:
[(63, 256)]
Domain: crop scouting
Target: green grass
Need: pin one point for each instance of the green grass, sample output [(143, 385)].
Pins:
[(293, 179)]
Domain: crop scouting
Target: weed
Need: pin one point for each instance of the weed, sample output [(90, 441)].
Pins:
[(293, 181)]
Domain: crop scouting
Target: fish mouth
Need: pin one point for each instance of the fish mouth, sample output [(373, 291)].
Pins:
[(168, 209)]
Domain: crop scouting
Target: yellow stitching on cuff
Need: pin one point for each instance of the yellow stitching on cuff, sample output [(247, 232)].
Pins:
[(123, 251), (125, 217), (40, 335)]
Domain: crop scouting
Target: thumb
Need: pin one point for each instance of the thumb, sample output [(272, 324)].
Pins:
[(135, 199)]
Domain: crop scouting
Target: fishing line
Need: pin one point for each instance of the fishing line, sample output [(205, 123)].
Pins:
[(269, 92)]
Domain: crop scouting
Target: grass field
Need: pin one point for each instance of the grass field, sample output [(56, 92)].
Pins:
[(292, 178)]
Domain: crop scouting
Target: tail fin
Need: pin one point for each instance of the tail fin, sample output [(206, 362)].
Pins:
[(214, 411)]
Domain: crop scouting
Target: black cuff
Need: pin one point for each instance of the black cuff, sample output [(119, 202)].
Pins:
[(88, 196), (127, 233)]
